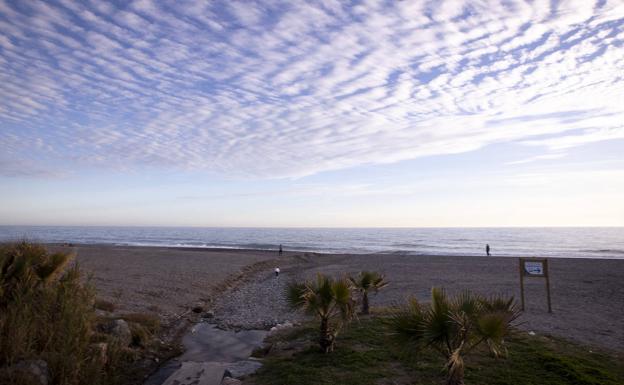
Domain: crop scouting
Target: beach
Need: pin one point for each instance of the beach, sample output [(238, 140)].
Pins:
[(167, 281), (241, 289)]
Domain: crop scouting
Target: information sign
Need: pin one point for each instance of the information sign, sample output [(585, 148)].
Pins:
[(534, 267)]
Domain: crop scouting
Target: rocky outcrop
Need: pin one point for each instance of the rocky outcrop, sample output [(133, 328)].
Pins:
[(119, 329), (35, 369), (242, 368)]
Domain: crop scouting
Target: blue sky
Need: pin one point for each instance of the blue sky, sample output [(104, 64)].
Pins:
[(328, 113)]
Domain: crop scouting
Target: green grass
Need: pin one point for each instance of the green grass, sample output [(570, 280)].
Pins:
[(367, 353)]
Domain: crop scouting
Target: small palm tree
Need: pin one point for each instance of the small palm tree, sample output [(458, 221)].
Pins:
[(454, 327), (365, 282), (329, 300)]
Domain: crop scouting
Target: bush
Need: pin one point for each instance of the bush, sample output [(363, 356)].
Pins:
[(46, 312), (329, 300), (455, 326)]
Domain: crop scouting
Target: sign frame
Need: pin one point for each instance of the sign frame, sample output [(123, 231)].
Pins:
[(540, 267)]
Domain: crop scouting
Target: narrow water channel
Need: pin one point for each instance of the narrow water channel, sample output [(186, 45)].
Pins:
[(206, 344)]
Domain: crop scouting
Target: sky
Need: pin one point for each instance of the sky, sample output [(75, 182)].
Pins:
[(312, 113)]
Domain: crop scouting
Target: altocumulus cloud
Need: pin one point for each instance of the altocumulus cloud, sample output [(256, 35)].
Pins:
[(287, 88)]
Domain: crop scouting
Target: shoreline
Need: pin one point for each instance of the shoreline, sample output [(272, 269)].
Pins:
[(305, 251)]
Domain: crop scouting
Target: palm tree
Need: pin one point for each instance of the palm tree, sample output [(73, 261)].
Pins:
[(455, 326), (368, 281), (329, 300)]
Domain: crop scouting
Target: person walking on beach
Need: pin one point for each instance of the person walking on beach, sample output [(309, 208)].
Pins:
[(487, 249), (280, 249), (277, 271)]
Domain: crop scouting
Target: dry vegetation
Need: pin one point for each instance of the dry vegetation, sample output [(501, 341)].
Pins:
[(48, 317)]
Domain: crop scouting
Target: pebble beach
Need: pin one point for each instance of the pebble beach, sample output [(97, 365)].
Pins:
[(240, 287)]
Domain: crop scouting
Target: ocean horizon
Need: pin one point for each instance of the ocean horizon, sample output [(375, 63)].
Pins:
[(556, 242)]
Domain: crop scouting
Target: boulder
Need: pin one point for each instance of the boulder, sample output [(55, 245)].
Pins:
[(197, 373), (37, 369), (208, 314), (120, 330), (230, 381), (242, 368)]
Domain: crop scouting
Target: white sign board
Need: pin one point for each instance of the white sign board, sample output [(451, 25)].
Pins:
[(534, 268), (538, 268)]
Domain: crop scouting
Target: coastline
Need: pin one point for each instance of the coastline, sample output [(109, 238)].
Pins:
[(238, 284), (404, 253)]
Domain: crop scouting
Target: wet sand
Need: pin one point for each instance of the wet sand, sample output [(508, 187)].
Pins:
[(587, 295)]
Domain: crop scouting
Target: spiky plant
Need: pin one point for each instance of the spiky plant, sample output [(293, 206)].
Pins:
[(455, 326), (329, 300), (47, 312), (25, 266), (365, 282)]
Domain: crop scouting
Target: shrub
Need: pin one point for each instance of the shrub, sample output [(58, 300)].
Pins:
[(46, 312), (365, 282), (329, 300), (455, 326)]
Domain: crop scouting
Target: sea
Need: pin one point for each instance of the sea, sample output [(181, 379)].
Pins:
[(560, 242)]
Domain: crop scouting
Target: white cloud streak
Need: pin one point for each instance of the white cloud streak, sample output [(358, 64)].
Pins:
[(286, 89)]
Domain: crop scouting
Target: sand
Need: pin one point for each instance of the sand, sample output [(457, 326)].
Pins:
[(587, 295), (167, 281)]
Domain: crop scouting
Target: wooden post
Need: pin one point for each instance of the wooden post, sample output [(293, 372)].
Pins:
[(538, 268), (547, 284), (520, 267)]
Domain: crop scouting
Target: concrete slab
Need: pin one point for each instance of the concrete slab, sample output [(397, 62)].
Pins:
[(197, 373)]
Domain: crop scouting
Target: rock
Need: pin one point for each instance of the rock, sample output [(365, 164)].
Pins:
[(197, 373), (230, 381), (120, 330), (242, 368), (208, 314), (102, 313), (37, 369)]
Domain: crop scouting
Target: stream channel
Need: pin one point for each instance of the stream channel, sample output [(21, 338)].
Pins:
[(209, 354)]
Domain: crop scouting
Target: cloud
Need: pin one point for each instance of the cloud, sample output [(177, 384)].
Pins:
[(282, 89), (587, 136), (538, 158), (27, 169)]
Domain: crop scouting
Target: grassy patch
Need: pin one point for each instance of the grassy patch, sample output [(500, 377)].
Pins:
[(367, 353)]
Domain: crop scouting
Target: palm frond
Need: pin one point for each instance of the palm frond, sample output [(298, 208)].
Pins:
[(438, 325), (295, 295), (407, 321), (369, 280), (454, 326)]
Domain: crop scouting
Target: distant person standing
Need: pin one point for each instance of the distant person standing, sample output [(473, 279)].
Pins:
[(280, 250), (487, 249), (277, 271)]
